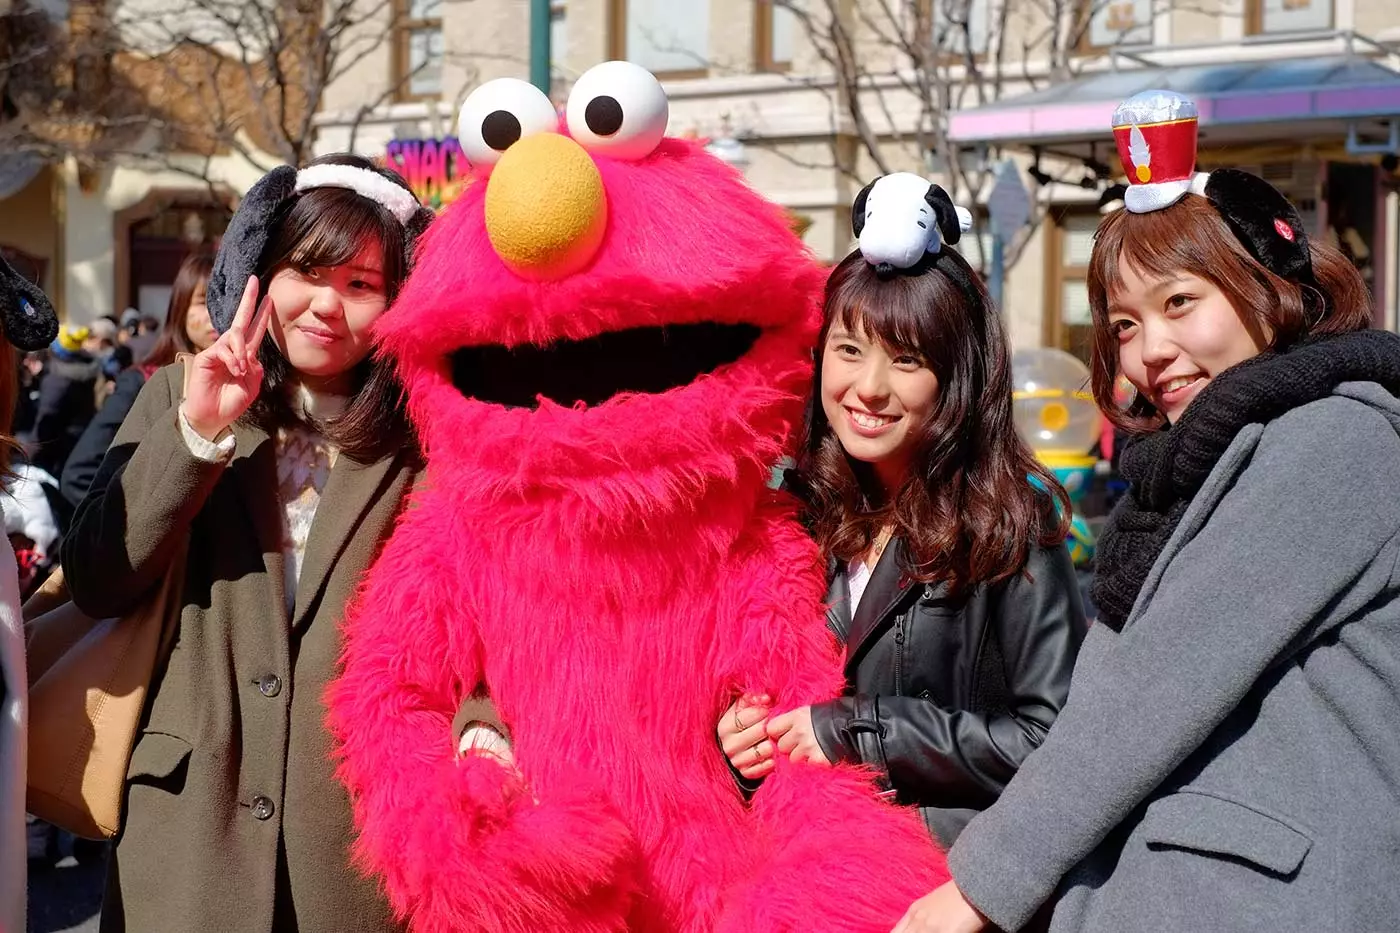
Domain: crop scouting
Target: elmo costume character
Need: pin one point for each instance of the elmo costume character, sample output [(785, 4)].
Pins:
[(605, 342)]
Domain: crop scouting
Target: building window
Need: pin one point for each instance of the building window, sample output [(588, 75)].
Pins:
[(669, 39), (1068, 322), (418, 49), (955, 23), (1119, 22), (774, 29), (1275, 16)]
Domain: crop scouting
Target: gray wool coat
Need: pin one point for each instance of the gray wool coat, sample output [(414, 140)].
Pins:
[(234, 821), (1231, 760)]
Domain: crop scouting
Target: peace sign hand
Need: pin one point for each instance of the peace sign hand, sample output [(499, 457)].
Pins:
[(225, 378)]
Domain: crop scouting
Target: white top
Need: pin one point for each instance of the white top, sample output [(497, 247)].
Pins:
[(857, 577), (304, 463)]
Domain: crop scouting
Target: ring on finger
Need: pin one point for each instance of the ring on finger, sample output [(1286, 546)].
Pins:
[(738, 723), (758, 754)]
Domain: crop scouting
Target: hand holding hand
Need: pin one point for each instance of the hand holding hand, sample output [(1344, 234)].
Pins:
[(795, 736), (225, 378), (945, 910), (743, 735)]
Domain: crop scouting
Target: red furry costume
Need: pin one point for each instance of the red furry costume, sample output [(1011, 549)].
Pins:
[(613, 569)]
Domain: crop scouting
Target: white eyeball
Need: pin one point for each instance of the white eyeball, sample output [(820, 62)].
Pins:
[(499, 113), (618, 109)]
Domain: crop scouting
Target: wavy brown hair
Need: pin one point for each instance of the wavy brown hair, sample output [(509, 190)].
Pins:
[(969, 510), (1191, 237)]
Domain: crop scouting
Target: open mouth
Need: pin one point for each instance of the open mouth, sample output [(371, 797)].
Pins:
[(569, 372)]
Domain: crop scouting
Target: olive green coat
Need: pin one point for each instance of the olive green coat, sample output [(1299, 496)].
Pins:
[(234, 821)]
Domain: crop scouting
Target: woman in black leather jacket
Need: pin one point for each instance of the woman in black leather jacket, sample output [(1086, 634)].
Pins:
[(951, 587)]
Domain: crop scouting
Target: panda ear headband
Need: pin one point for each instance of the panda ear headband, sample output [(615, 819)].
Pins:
[(1156, 135), (25, 311), (249, 230)]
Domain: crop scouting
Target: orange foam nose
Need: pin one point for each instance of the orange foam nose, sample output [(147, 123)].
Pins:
[(546, 209)]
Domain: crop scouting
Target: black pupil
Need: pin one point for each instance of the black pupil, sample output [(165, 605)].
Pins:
[(500, 130), (603, 115)]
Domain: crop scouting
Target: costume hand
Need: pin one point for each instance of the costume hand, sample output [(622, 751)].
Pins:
[(743, 735), (487, 742), (795, 736), (943, 911), (225, 378)]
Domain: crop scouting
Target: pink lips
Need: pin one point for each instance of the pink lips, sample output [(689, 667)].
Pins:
[(319, 336), (865, 431)]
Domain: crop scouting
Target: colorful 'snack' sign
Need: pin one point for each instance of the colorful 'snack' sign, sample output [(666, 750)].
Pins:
[(436, 169)]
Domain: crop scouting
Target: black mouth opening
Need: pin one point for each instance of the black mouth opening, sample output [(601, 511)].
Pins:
[(567, 372)]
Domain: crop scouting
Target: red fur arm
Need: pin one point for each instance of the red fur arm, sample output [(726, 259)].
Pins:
[(823, 830), (460, 844)]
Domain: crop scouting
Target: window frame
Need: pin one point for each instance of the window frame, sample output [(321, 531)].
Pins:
[(928, 9), (1254, 21), (400, 56), (1054, 331), (763, 60), (1087, 45), (617, 45)]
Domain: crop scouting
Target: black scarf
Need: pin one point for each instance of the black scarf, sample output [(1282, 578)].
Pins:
[(1166, 469)]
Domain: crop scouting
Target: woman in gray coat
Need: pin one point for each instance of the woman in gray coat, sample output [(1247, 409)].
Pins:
[(1228, 759)]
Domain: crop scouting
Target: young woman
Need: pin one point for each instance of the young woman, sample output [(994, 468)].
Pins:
[(187, 330), (271, 471), (1229, 759), (951, 587)]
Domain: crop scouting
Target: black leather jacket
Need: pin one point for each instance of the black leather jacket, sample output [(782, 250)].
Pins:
[(946, 698)]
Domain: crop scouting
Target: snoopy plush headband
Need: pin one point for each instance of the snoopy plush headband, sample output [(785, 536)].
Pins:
[(1156, 136), (901, 222), (248, 233)]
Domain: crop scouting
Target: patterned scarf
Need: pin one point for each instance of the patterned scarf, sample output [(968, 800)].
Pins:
[(1166, 469)]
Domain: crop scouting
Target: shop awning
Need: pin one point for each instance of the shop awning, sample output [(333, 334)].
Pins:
[(1240, 101)]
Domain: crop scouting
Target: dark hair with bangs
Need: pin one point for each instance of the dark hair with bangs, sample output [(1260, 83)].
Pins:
[(174, 339), (327, 227), (969, 511), (1191, 237)]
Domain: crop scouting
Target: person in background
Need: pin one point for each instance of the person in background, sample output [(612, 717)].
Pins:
[(67, 398), (187, 330), (952, 590)]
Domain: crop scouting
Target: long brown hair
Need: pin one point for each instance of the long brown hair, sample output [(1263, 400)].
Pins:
[(969, 510), (327, 227), (174, 339), (1191, 237)]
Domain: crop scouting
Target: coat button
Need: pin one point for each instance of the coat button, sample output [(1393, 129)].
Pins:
[(262, 808), (270, 685)]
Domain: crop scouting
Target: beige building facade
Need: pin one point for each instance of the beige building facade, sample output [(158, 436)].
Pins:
[(761, 81)]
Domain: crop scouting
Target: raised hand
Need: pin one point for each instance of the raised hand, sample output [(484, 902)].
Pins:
[(225, 378)]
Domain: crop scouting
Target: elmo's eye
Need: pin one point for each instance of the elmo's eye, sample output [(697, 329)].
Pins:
[(499, 113), (618, 109)]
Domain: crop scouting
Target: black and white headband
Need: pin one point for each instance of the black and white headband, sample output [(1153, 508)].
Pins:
[(901, 222), (247, 235)]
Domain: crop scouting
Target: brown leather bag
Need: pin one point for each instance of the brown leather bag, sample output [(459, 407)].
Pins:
[(88, 680)]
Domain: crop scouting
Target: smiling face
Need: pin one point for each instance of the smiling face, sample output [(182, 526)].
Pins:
[(876, 399), (322, 315), (1175, 333)]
